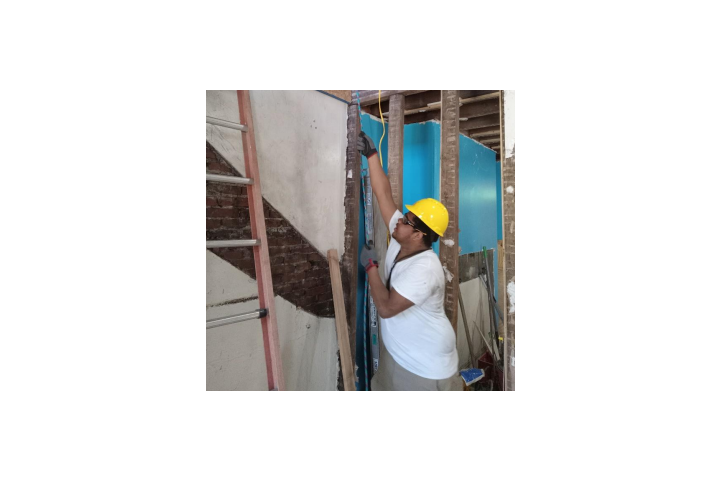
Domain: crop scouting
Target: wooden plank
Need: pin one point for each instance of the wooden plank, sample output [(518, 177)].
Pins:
[(266, 297), (395, 148), (429, 100), (479, 109), (421, 99), (449, 183), (478, 117), (467, 94), (481, 122), (346, 361), (491, 137), (422, 117), (435, 105), (352, 221), (481, 136), (419, 110), (370, 97), (493, 129), (485, 96), (375, 110)]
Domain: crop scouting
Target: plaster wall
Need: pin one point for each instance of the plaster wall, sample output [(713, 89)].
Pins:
[(235, 356), (475, 301), (301, 137)]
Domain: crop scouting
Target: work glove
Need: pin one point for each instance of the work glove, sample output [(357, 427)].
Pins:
[(368, 258), (365, 145)]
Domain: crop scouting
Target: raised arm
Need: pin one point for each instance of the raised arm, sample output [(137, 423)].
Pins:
[(378, 179)]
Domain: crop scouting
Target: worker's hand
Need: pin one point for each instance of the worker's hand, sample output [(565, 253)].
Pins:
[(365, 145), (368, 258)]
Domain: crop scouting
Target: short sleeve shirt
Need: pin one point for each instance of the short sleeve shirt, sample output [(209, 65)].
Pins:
[(419, 338)]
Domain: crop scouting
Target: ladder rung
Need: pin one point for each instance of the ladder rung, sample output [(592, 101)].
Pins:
[(219, 322), (227, 179), (232, 243), (224, 123)]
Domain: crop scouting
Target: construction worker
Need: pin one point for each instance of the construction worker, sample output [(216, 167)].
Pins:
[(417, 342)]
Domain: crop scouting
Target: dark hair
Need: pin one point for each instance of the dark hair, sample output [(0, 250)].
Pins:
[(430, 237)]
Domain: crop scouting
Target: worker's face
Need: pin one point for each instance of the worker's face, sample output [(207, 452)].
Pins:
[(405, 231)]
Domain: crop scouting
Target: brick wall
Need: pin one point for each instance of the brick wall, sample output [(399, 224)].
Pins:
[(300, 273), (508, 180), (449, 194)]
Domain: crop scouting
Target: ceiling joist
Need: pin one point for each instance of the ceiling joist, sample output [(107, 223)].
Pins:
[(427, 100), (480, 122), (370, 97), (479, 109)]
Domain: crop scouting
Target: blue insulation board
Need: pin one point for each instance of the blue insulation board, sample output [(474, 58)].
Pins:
[(374, 129), (479, 190)]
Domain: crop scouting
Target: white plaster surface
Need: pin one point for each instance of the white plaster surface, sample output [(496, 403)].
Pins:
[(301, 138), (509, 118), (511, 295), (222, 283), (475, 301), (448, 276), (235, 356)]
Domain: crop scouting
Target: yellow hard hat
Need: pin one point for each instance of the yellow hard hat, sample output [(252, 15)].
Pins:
[(432, 213)]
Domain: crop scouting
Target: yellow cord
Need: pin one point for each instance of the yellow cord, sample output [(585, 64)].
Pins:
[(382, 120)]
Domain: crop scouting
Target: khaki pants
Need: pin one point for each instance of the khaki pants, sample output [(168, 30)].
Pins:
[(391, 376)]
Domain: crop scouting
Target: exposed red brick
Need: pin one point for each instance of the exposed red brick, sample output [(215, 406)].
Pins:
[(291, 259), (219, 212), (228, 218)]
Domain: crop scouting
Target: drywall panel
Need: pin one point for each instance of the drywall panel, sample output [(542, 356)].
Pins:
[(475, 302), (301, 138)]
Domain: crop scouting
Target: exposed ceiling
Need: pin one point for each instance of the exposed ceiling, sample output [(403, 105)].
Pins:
[(479, 111)]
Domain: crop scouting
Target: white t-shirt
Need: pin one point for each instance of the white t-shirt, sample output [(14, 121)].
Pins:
[(420, 338)]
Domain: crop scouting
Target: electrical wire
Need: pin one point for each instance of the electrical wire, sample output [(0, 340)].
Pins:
[(382, 120)]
